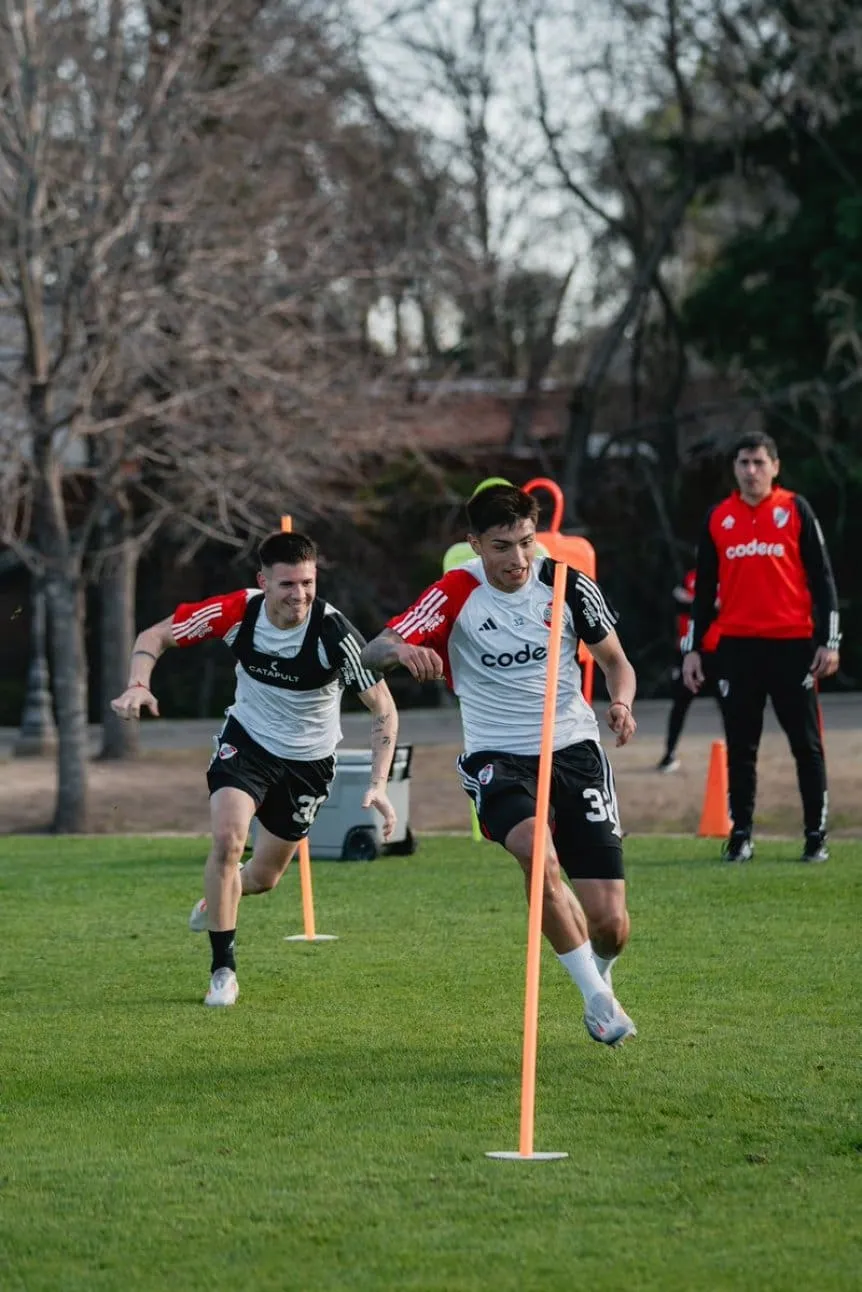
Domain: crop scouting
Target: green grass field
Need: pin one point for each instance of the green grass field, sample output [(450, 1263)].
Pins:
[(329, 1132)]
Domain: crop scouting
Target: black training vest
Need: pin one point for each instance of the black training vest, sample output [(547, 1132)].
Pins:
[(304, 672)]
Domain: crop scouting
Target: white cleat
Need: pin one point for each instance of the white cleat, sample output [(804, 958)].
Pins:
[(224, 988), (606, 1020), (198, 917)]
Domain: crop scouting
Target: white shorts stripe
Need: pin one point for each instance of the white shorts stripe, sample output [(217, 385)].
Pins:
[(610, 792)]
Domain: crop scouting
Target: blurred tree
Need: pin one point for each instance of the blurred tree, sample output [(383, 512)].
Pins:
[(178, 233)]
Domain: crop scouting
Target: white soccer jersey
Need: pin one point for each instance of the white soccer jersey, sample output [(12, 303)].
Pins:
[(304, 725), (494, 647)]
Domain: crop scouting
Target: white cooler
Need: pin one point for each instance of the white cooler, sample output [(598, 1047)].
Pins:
[(345, 830)]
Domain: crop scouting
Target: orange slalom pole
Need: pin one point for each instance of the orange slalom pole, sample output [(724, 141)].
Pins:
[(537, 877), (305, 884), (308, 934)]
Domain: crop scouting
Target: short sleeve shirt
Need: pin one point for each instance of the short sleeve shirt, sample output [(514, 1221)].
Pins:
[(494, 647), (302, 725)]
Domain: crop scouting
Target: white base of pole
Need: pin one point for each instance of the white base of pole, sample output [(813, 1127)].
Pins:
[(318, 937), (527, 1157)]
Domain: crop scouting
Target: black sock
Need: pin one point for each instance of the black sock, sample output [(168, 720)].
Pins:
[(223, 943)]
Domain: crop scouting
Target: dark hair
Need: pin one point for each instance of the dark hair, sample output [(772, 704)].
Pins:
[(285, 548), (755, 440), (500, 505)]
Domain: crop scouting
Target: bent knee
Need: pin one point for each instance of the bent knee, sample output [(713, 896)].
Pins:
[(255, 881), (228, 846), (611, 927)]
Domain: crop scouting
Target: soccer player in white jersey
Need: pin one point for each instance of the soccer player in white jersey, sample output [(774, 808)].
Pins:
[(276, 752), (484, 628)]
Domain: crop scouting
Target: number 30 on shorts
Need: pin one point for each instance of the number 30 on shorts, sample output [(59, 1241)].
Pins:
[(603, 808), (307, 808)]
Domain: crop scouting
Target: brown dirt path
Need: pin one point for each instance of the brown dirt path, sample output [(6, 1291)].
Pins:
[(165, 791)]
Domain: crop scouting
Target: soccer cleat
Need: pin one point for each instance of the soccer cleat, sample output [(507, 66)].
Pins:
[(606, 1020), (670, 763), (224, 988), (738, 847), (815, 847), (198, 917)]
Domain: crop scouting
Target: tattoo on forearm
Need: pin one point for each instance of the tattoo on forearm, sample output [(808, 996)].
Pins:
[(381, 741), (381, 654)]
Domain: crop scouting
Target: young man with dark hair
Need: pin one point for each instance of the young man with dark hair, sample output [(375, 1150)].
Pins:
[(763, 556), (484, 627), (275, 757)]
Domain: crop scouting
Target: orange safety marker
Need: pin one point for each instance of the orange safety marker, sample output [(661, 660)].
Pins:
[(534, 934), (715, 818), (305, 858)]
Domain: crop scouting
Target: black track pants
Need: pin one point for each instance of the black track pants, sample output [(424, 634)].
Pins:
[(681, 699), (749, 670)]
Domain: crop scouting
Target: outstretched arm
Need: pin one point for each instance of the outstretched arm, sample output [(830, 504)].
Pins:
[(388, 650), (622, 685), (149, 646), (384, 733)]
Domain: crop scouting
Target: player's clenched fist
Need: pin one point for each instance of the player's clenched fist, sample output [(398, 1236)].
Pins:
[(421, 661), (133, 699)]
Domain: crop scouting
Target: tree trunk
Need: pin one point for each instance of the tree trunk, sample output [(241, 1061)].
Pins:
[(64, 598), (64, 592), (540, 361), (120, 739), (584, 400), (429, 328), (662, 515)]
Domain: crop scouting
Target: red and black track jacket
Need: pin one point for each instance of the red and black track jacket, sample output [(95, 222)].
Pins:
[(768, 568)]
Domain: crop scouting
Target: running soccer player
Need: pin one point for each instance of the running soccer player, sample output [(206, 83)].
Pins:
[(762, 553), (275, 755), (484, 627)]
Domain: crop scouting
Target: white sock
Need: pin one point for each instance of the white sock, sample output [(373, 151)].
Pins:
[(581, 968), (604, 966)]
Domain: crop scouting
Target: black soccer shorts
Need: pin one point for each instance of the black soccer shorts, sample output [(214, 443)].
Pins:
[(287, 793), (584, 815)]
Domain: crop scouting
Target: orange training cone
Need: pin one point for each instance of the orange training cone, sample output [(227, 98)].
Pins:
[(715, 818)]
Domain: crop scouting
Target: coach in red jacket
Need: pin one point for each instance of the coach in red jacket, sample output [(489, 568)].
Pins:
[(762, 556)]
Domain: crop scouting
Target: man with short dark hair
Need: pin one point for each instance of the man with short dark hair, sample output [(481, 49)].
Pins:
[(275, 757), (763, 556), (484, 627)]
